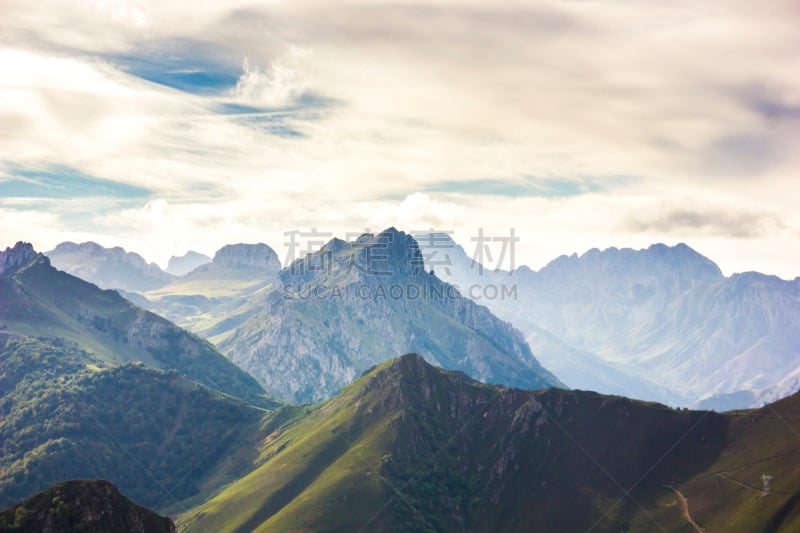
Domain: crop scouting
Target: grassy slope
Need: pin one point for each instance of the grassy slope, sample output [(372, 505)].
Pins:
[(728, 497), (39, 301), (459, 455), (212, 300), (320, 470)]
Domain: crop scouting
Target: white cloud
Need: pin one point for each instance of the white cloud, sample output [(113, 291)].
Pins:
[(695, 101), (279, 85)]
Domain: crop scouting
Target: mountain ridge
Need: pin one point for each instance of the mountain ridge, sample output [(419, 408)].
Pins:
[(316, 331), (409, 446), (661, 314)]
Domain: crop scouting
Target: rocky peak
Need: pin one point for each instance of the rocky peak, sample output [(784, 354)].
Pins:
[(247, 256), (392, 251), (69, 247), (20, 255), (182, 265), (681, 256)]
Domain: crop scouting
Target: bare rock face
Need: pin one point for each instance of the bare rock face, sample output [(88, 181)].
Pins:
[(82, 505), (20, 255), (355, 304), (247, 256)]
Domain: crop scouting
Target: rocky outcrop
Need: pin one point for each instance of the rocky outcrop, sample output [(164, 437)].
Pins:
[(20, 255), (92, 506), (258, 256), (353, 305)]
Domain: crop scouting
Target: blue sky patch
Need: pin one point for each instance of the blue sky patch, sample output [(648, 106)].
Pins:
[(191, 66), (63, 182), (529, 186)]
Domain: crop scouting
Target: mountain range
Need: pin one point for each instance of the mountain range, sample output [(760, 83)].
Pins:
[(351, 305), (409, 447), (109, 268), (661, 323), (92, 386), (309, 329)]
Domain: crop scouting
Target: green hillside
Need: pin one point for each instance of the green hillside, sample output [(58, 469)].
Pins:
[(39, 301), (92, 386), (64, 414), (409, 447)]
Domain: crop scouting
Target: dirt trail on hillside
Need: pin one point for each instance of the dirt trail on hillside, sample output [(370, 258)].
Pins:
[(685, 510)]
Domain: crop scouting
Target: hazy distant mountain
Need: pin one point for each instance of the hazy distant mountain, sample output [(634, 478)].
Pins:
[(108, 268), (180, 266), (86, 505), (621, 320), (409, 447), (39, 301), (351, 305), (207, 300)]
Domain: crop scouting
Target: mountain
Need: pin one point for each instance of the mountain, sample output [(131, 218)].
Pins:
[(351, 305), (38, 301), (108, 268), (180, 266), (91, 506), (409, 447), (661, 323), (209, 300), (66, 414), (92, 386)]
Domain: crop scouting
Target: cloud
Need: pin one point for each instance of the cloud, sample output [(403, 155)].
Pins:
[(417, 212), (714, 221), (282, 84), (498, 114)]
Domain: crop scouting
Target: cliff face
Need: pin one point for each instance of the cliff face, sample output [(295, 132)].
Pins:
[(247, 256), (20, 255), (352, 305), (83, 505)]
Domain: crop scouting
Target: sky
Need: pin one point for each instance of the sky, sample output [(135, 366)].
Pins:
[(165, 126)]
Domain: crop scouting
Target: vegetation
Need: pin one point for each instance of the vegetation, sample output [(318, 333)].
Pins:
[(412, 448), (42, 302), (151, 432), (81, 506)]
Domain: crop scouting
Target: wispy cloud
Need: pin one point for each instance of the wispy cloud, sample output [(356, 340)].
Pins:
[(531, 186), (285, 114), (707, 220)]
